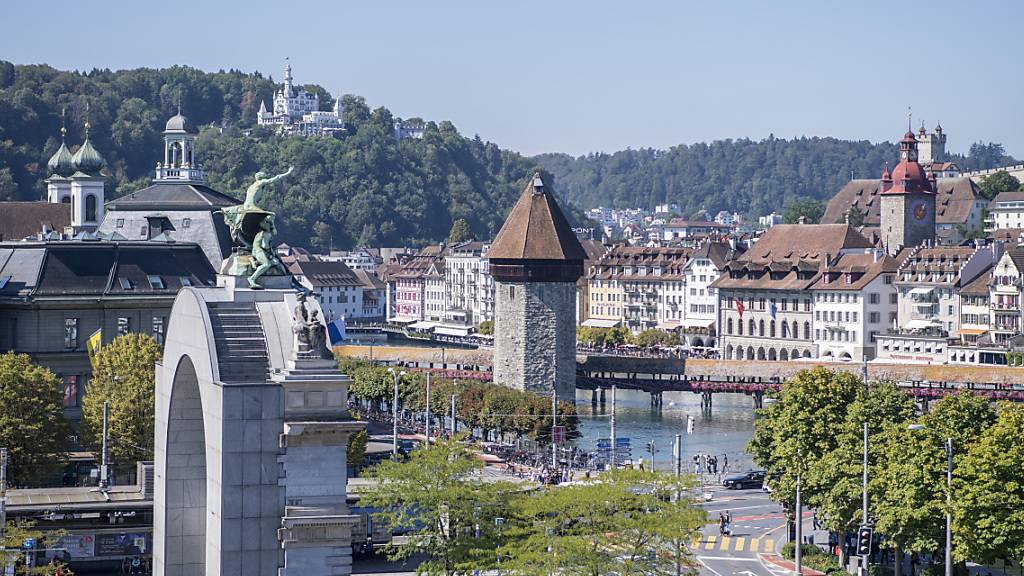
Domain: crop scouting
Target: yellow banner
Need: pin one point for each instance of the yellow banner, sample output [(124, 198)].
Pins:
[(94, 343)]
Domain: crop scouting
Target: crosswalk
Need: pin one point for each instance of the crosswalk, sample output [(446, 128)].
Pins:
[(732, 544)]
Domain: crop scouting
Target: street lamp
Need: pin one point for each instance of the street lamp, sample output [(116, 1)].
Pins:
[(499, 522), (949, 495), (394, 413)]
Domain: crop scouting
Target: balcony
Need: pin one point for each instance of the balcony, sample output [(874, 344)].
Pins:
[(1006, 307)]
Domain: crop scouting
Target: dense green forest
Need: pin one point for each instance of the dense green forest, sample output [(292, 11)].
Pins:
[(367, 188), (752, 178)]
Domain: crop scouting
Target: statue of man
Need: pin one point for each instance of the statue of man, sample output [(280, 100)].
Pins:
[(254, 193), (318, 336), (263, 252)]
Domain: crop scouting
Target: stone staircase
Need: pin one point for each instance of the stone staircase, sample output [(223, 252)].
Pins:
[(241, 343)]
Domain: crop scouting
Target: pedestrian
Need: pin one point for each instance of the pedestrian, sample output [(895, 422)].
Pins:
[(725, 462), (721, 524)]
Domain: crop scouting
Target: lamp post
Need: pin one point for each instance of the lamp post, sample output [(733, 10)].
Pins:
[(949, 497), (428, 409), (499, 522), (394, 413)]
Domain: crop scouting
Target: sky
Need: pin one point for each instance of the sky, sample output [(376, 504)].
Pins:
[(586, 76)]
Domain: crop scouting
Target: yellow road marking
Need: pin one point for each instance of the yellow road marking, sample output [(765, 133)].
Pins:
[(768, 545), (725, 542), (710, 543), (739, 544)]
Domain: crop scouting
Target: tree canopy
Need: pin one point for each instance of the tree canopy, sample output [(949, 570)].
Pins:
[(460, 232), (32, 423), (994, 184), (123, 375)]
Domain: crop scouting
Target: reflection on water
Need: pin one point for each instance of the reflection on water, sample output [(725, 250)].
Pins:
[(725, 431)]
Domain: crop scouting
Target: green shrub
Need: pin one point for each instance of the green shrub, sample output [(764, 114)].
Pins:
[(808, 550)]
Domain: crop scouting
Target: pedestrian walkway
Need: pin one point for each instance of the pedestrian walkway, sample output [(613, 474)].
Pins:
[(775, 562), (732, 544)]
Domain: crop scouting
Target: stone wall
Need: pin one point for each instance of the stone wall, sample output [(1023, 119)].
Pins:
[(535, 336)]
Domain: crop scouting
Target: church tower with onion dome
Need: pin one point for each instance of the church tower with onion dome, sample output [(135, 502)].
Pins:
[(87, 185), (907, 201), (535, 261)]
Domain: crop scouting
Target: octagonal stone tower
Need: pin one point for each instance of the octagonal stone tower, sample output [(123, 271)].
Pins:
[(535, 262)]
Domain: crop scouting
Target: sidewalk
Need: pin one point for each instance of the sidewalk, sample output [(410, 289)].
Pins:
[(788, 566)]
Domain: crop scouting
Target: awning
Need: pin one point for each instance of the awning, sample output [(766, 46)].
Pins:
[(921, 324), (698, 323), (668, 325), (600, 323), (922, 290), (421, 325), (451, 331), (972, 331)]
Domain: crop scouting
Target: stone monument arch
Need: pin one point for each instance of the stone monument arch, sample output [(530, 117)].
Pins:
[(251, 438)]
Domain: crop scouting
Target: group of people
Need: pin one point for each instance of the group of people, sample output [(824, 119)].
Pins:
[(725, 523), (708, 463)]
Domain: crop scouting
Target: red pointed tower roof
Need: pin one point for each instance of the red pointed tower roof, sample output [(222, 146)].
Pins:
[(909, 177)]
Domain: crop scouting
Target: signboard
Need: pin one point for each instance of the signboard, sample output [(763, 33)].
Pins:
[(122, 544), (72, 546), (558, 434), (607, 443)]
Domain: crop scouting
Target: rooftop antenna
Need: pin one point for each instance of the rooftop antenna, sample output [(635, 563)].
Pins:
[(910, 123), (63, 124)]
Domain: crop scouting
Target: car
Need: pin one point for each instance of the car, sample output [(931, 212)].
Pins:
[(749, 479)]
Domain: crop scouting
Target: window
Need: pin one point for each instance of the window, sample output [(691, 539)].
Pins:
[(186, 222), (126, 284), (873, 317), (893, 298), (70, 391), (124, 325), (511, 291), (729, 327), (142, 231), (892, 317), (90, 208), (120, 222), (158, 329), (807, 330), (186, 281), (873, 298), (71, 333)]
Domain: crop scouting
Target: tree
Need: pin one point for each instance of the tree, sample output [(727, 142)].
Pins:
[(440, 499), (854, 217), (988, 494), (838, 472), (654, 337), (962, 417), (627, 522), (793, 435), (809, 209), (486, 328), (994, 184), (32, 423), (357, 447), (460, 232), (16, 533), (123, 375)]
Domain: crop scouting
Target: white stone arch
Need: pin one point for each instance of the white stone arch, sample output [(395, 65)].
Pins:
[(771, 354), (784, 354), (184, 383)]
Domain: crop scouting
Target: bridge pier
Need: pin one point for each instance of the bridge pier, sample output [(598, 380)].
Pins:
[(602, 398), (705, 401), (656, 399), (593, 396)]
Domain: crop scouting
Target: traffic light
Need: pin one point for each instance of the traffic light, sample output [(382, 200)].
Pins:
[(864, 540)]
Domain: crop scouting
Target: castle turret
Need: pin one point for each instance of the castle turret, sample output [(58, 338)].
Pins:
[(535, 261)]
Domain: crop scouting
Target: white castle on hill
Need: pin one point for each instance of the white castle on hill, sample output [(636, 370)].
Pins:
[(297, 111)]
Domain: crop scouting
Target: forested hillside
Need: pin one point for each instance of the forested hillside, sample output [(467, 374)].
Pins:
[(367, 188), (362, 188), (752, 178)]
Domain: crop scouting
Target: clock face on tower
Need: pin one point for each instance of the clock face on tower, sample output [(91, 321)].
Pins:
[(919, 209)]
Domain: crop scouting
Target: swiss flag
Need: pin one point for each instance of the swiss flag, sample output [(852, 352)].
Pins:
[(739, 307)]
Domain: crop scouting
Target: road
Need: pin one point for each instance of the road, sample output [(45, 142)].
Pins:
[(758, 526)]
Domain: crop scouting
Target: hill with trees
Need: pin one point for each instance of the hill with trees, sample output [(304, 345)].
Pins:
[(366, 187), (750, 177)]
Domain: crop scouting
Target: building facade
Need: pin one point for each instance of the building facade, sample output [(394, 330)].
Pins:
[(297, 111), (469, 288)]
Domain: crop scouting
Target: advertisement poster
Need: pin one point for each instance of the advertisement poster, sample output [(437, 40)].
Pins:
[(122, 544), (74, 545)]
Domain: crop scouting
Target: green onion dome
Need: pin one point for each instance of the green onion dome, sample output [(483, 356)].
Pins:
[(61, 163), (87, 160)]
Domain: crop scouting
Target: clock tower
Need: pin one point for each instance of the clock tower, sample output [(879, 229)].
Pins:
[(907, 201)]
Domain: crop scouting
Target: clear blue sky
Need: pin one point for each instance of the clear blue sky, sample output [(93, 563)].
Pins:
[(582, 76)]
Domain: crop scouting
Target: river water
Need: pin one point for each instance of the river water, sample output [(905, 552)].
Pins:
[(725, 431)]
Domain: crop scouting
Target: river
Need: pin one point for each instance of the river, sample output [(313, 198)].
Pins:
[(725, 431)]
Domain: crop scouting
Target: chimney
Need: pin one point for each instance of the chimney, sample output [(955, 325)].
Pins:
[(874, 254)]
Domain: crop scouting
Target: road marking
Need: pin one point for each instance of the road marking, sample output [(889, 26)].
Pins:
[(769, 545), (713, 571), (739, 544), (728, 558), (711, 542), (725, 542)]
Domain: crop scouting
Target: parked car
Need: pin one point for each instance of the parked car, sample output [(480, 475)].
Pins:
[(749, 479)]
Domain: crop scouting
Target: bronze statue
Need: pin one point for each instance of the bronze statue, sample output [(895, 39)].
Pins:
[(252, 232), (263, 255)]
